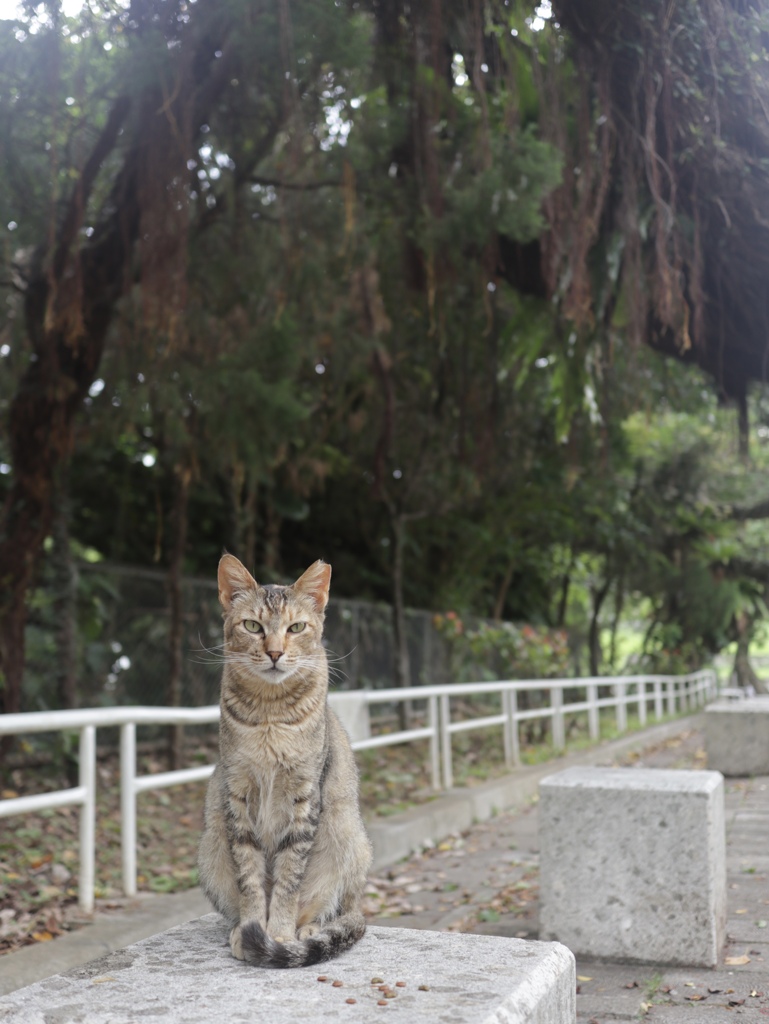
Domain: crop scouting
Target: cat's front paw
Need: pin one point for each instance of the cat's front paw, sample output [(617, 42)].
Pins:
[(236, 943), (308, 930), (281, 931)]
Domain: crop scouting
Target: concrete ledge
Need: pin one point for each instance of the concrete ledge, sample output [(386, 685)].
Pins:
[(353, 713), (188, 976), (633, 864), (737, 736), (145, 915)]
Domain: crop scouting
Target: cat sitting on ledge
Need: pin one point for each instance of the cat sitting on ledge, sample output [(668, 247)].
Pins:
[(284, 854)]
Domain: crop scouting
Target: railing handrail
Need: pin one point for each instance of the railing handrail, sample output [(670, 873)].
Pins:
[(101, 718), (147, 714)]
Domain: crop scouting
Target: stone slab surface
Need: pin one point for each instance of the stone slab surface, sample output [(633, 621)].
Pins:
[(138, 918), (737, 736), (187, 975), (633, 864), (353, 712)]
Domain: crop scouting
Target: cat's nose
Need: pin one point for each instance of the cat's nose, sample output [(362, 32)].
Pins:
[(274, 655)]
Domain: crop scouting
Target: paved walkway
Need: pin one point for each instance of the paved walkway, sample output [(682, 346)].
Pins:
[(485, 880)]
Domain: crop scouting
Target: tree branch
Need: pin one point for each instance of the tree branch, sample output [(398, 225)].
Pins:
[(79, 198)]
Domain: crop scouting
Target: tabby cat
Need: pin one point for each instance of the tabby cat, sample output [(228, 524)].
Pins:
[(284, 854)]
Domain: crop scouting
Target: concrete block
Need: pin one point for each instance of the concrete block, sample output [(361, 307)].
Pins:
[(737, 736), (633, 864), (188, 976), (353, 713)]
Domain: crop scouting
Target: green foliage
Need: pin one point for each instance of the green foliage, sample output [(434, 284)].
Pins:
[(503, 651)]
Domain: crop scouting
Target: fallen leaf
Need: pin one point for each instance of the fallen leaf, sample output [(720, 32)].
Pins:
[(42, 936), (583, 977), (742, 910), (104, 980), (736, 961), (695, 998)]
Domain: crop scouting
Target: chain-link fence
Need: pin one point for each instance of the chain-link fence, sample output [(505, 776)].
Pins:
[(123, 643)]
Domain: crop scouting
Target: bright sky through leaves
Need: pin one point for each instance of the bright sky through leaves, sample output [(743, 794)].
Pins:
[(11, 9)]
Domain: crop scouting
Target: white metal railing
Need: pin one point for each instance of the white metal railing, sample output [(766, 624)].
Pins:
[(662, 693)]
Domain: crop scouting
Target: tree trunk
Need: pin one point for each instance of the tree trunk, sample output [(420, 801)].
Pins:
[(179, 523), (401, 662), (618, 606), (743, 670), (563, 601), (504, 587), (65, 595), (66, 328), (41, 429), (594, 636), (743, 423), (251, 514), (273, 523)]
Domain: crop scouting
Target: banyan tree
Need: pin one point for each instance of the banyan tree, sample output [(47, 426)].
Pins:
[(656, 111)]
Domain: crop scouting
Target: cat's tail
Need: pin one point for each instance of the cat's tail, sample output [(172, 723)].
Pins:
[(336, 936)]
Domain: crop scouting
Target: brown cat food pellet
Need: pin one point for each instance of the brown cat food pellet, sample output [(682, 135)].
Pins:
[(322, 977), (424, 988), (389, 994), (337, 983), (351, 1001), (400, 984), (383, 988), (377, 981), (381, 1002)]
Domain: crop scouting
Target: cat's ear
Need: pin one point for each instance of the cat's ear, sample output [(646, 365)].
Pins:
[(315, 583), (234, 578)]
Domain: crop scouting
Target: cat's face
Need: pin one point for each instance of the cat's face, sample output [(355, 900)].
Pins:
[(273, 633)]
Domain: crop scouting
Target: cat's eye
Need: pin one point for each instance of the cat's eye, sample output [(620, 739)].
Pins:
[(296, 627), (253, 626)]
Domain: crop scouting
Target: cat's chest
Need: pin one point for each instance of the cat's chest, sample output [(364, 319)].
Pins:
[(268, 773)]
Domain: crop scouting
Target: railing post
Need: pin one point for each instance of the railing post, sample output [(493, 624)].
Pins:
[(642, 701), (620, 692), (128, 805), (559, 726), (593, 712), (448, 774), (658, 706), (512, 740), (671, 688), (435, 746), (506, 737), (87, 779)]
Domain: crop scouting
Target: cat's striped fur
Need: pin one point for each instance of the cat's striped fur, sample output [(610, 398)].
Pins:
[(284, 854)]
